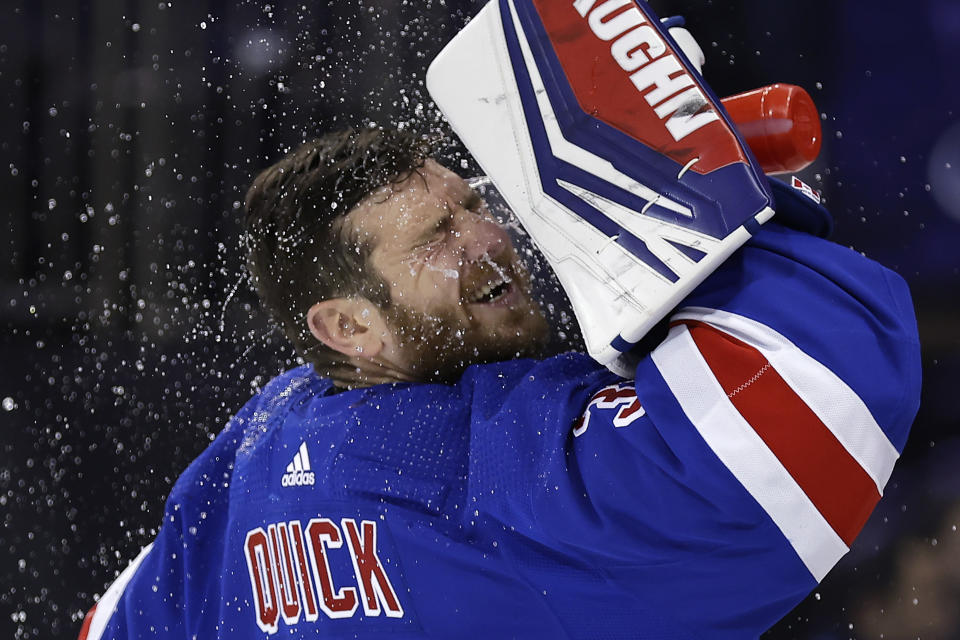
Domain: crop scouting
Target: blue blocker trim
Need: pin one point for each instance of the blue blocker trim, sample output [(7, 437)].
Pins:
[(622, 345)]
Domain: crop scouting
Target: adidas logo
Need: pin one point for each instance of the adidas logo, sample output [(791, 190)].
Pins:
[(298, 472)]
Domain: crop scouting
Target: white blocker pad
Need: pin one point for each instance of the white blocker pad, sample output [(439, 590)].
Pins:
[(615, 155)]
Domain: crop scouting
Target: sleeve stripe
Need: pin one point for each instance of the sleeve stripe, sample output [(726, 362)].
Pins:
[(839, 487), (107, 604), (87, 619), (745, 454), (829, 397)]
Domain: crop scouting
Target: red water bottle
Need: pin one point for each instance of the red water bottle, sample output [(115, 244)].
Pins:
[(781, 125)]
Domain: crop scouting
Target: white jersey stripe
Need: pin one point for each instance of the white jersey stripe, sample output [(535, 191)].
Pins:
[(835, 403), (745, 454), (108, 603)]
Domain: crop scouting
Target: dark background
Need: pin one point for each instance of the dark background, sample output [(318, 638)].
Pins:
[(129, 335)]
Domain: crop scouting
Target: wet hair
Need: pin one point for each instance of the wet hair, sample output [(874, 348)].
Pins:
[(300, 251)]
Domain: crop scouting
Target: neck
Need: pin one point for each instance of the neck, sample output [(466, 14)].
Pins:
[(358, 373)]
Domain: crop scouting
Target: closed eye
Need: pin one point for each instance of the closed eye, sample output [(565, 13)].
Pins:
[(436, 235), (424, 251), (474, 203)]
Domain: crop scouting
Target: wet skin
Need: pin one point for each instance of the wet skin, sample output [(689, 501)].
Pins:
[(459, 292)]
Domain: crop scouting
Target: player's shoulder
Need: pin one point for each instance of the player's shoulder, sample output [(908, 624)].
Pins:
[(211, 471), (800, 232), (792, 266), (820, 279), (560, 385), (501, 377)]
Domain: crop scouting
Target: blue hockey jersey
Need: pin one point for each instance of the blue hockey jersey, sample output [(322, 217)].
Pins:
[(550, 499)]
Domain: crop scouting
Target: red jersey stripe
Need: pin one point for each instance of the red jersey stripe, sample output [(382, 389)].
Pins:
[(87, 620), (833, 480)]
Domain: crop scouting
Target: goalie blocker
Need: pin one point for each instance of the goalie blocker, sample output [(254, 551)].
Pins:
[(617, 158)]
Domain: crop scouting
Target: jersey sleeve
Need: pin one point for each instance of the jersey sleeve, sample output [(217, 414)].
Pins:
[(166, 590), (723, 482), (146, 599)]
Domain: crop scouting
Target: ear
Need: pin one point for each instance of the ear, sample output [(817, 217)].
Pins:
[(352, 326)]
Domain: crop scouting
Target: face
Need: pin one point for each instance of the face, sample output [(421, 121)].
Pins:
[(459, 293)]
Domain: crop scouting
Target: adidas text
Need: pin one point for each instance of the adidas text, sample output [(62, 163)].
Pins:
[(297, 479)]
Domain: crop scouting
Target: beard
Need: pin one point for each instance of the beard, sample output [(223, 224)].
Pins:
[(441, 343)]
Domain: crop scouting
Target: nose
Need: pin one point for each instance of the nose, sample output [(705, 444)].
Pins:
[(480, 237)]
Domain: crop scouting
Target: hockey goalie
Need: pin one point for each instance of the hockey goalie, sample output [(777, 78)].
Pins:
[(430, 473)]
